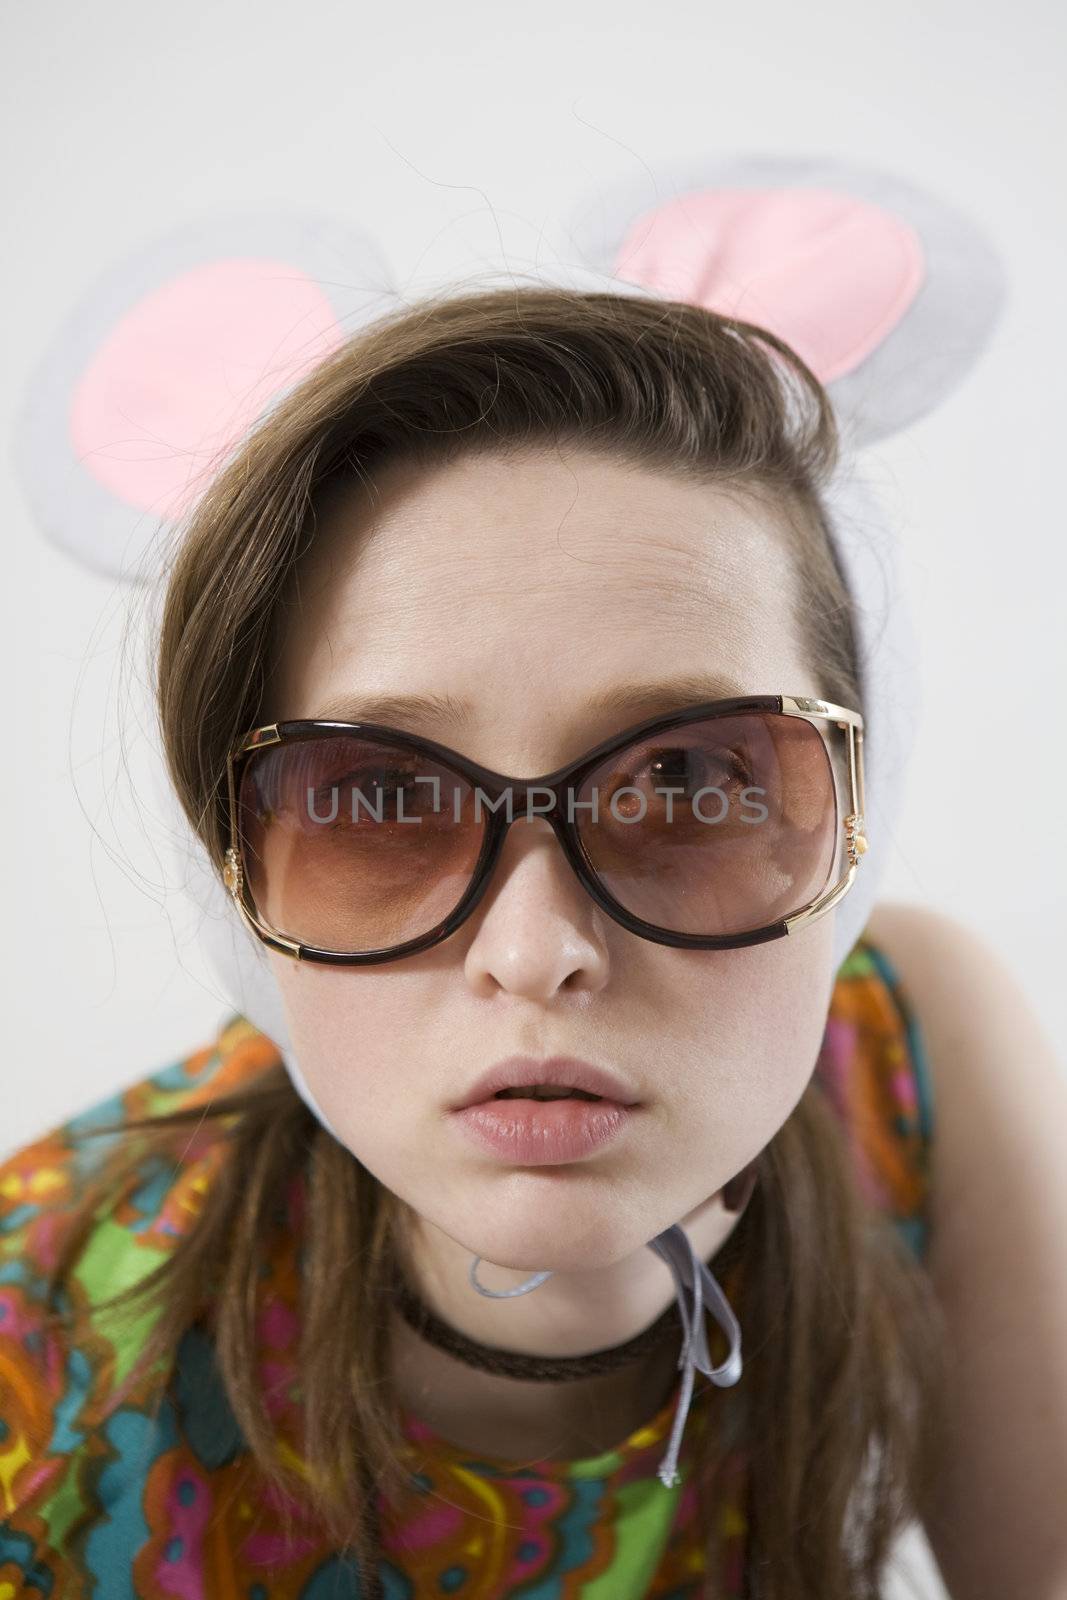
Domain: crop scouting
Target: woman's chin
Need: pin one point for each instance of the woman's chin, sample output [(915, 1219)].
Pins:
[(510, 1254)]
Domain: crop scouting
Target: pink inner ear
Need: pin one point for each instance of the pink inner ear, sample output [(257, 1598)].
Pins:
[(830, 274), (187, 371)]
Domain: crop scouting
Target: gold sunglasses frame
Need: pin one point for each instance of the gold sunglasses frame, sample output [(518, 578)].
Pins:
[(849, 722)]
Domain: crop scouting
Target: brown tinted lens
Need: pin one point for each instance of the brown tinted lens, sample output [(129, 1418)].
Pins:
[(355, 845), (720, 826)]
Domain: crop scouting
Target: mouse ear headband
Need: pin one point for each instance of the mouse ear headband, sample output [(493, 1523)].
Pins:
[(887, 292)]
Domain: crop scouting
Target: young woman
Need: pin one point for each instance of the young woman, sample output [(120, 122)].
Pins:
[(541, 534)]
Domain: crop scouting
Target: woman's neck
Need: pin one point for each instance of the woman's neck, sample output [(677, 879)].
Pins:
[(527, 1420), (569, 1314)]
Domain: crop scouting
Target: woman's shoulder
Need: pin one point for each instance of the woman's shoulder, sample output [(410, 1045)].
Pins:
[(86, 1214), (998, 1218), (89, 1209), (874, 1067), (44, 1180)]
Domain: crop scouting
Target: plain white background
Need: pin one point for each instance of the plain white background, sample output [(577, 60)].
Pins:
[(453, 133)]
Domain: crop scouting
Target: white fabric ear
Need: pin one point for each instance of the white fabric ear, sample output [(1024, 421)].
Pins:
[(168, 359), (920, 354)]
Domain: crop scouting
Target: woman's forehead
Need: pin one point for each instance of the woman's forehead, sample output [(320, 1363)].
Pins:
[(535, 534), (631, 575)]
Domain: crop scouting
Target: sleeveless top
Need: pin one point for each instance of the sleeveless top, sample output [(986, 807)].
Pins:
[(101, 1492)]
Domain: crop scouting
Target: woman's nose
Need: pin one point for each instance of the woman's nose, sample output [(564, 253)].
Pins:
[(536, 929)]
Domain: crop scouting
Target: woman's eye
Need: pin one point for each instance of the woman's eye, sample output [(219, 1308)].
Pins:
[(375, 785), (694, 769)]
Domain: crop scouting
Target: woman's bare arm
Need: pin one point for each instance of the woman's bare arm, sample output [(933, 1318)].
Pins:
[(998, 1259)]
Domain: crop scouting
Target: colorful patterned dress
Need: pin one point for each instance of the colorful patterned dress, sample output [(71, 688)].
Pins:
[(100, 1498)]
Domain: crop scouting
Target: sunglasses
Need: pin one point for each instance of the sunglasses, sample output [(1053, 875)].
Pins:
[(723, 825)]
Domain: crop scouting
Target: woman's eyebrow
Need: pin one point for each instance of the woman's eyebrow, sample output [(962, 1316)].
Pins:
[(636, 699)]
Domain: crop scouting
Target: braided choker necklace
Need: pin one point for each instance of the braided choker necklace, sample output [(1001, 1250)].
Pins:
[(512, 1363)]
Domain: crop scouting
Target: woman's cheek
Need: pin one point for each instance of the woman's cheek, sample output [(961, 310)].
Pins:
[(764, 1019), (336, 1036)]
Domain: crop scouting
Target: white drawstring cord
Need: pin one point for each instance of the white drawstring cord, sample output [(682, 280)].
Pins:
[(675, 1247)]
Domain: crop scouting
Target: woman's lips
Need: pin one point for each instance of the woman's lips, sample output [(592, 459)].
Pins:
[(557, 1072), (535, 1133)]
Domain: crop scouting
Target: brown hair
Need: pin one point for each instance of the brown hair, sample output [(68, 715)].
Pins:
[(843, 1339)]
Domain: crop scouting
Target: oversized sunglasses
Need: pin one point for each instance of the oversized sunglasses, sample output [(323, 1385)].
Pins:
[(726, 824)]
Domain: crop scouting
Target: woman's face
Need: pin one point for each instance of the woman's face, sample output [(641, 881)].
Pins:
[(526, 588)]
